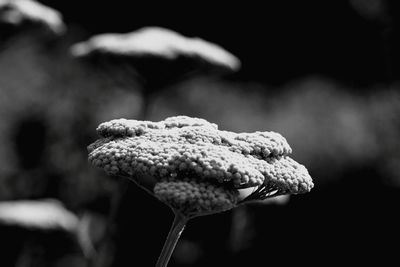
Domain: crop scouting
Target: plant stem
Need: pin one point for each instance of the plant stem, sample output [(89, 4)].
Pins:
[(174, 233), (144, 111)]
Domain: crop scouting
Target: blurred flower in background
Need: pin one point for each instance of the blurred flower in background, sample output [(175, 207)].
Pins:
[(152, 59), (19, 12), (31, 19)]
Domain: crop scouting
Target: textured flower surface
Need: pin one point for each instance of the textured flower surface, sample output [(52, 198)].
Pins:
[(156, 42), (195, 168), (17, 12)]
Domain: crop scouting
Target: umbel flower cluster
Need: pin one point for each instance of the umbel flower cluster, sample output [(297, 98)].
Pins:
[(195, 168), (156, 42), (20, 12)]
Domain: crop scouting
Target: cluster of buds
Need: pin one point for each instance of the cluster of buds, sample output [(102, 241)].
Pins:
[(195, 168), (193, 197)]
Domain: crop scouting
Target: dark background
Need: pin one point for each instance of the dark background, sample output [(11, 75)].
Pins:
[(323, 73), (277, 41)]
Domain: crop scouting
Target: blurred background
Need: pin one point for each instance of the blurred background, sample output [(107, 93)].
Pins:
[(324, 74)]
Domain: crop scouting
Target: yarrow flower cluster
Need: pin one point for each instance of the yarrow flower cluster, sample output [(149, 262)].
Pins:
[(156, 42), (154, 58), (18, 12), (193, 197), (196, 168)]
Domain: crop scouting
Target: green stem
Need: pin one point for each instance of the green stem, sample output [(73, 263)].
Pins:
[(174, 233)]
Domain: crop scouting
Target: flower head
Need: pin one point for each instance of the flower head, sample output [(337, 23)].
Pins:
[(195, 168), (156, 42), (24, 12)]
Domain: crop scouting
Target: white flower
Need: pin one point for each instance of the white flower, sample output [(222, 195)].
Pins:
[(196, 168)]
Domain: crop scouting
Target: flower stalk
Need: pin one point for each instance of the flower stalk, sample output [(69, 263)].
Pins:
[(175, 232)]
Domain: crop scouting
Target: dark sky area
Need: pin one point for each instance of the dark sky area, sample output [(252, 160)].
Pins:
[(276, 40)]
